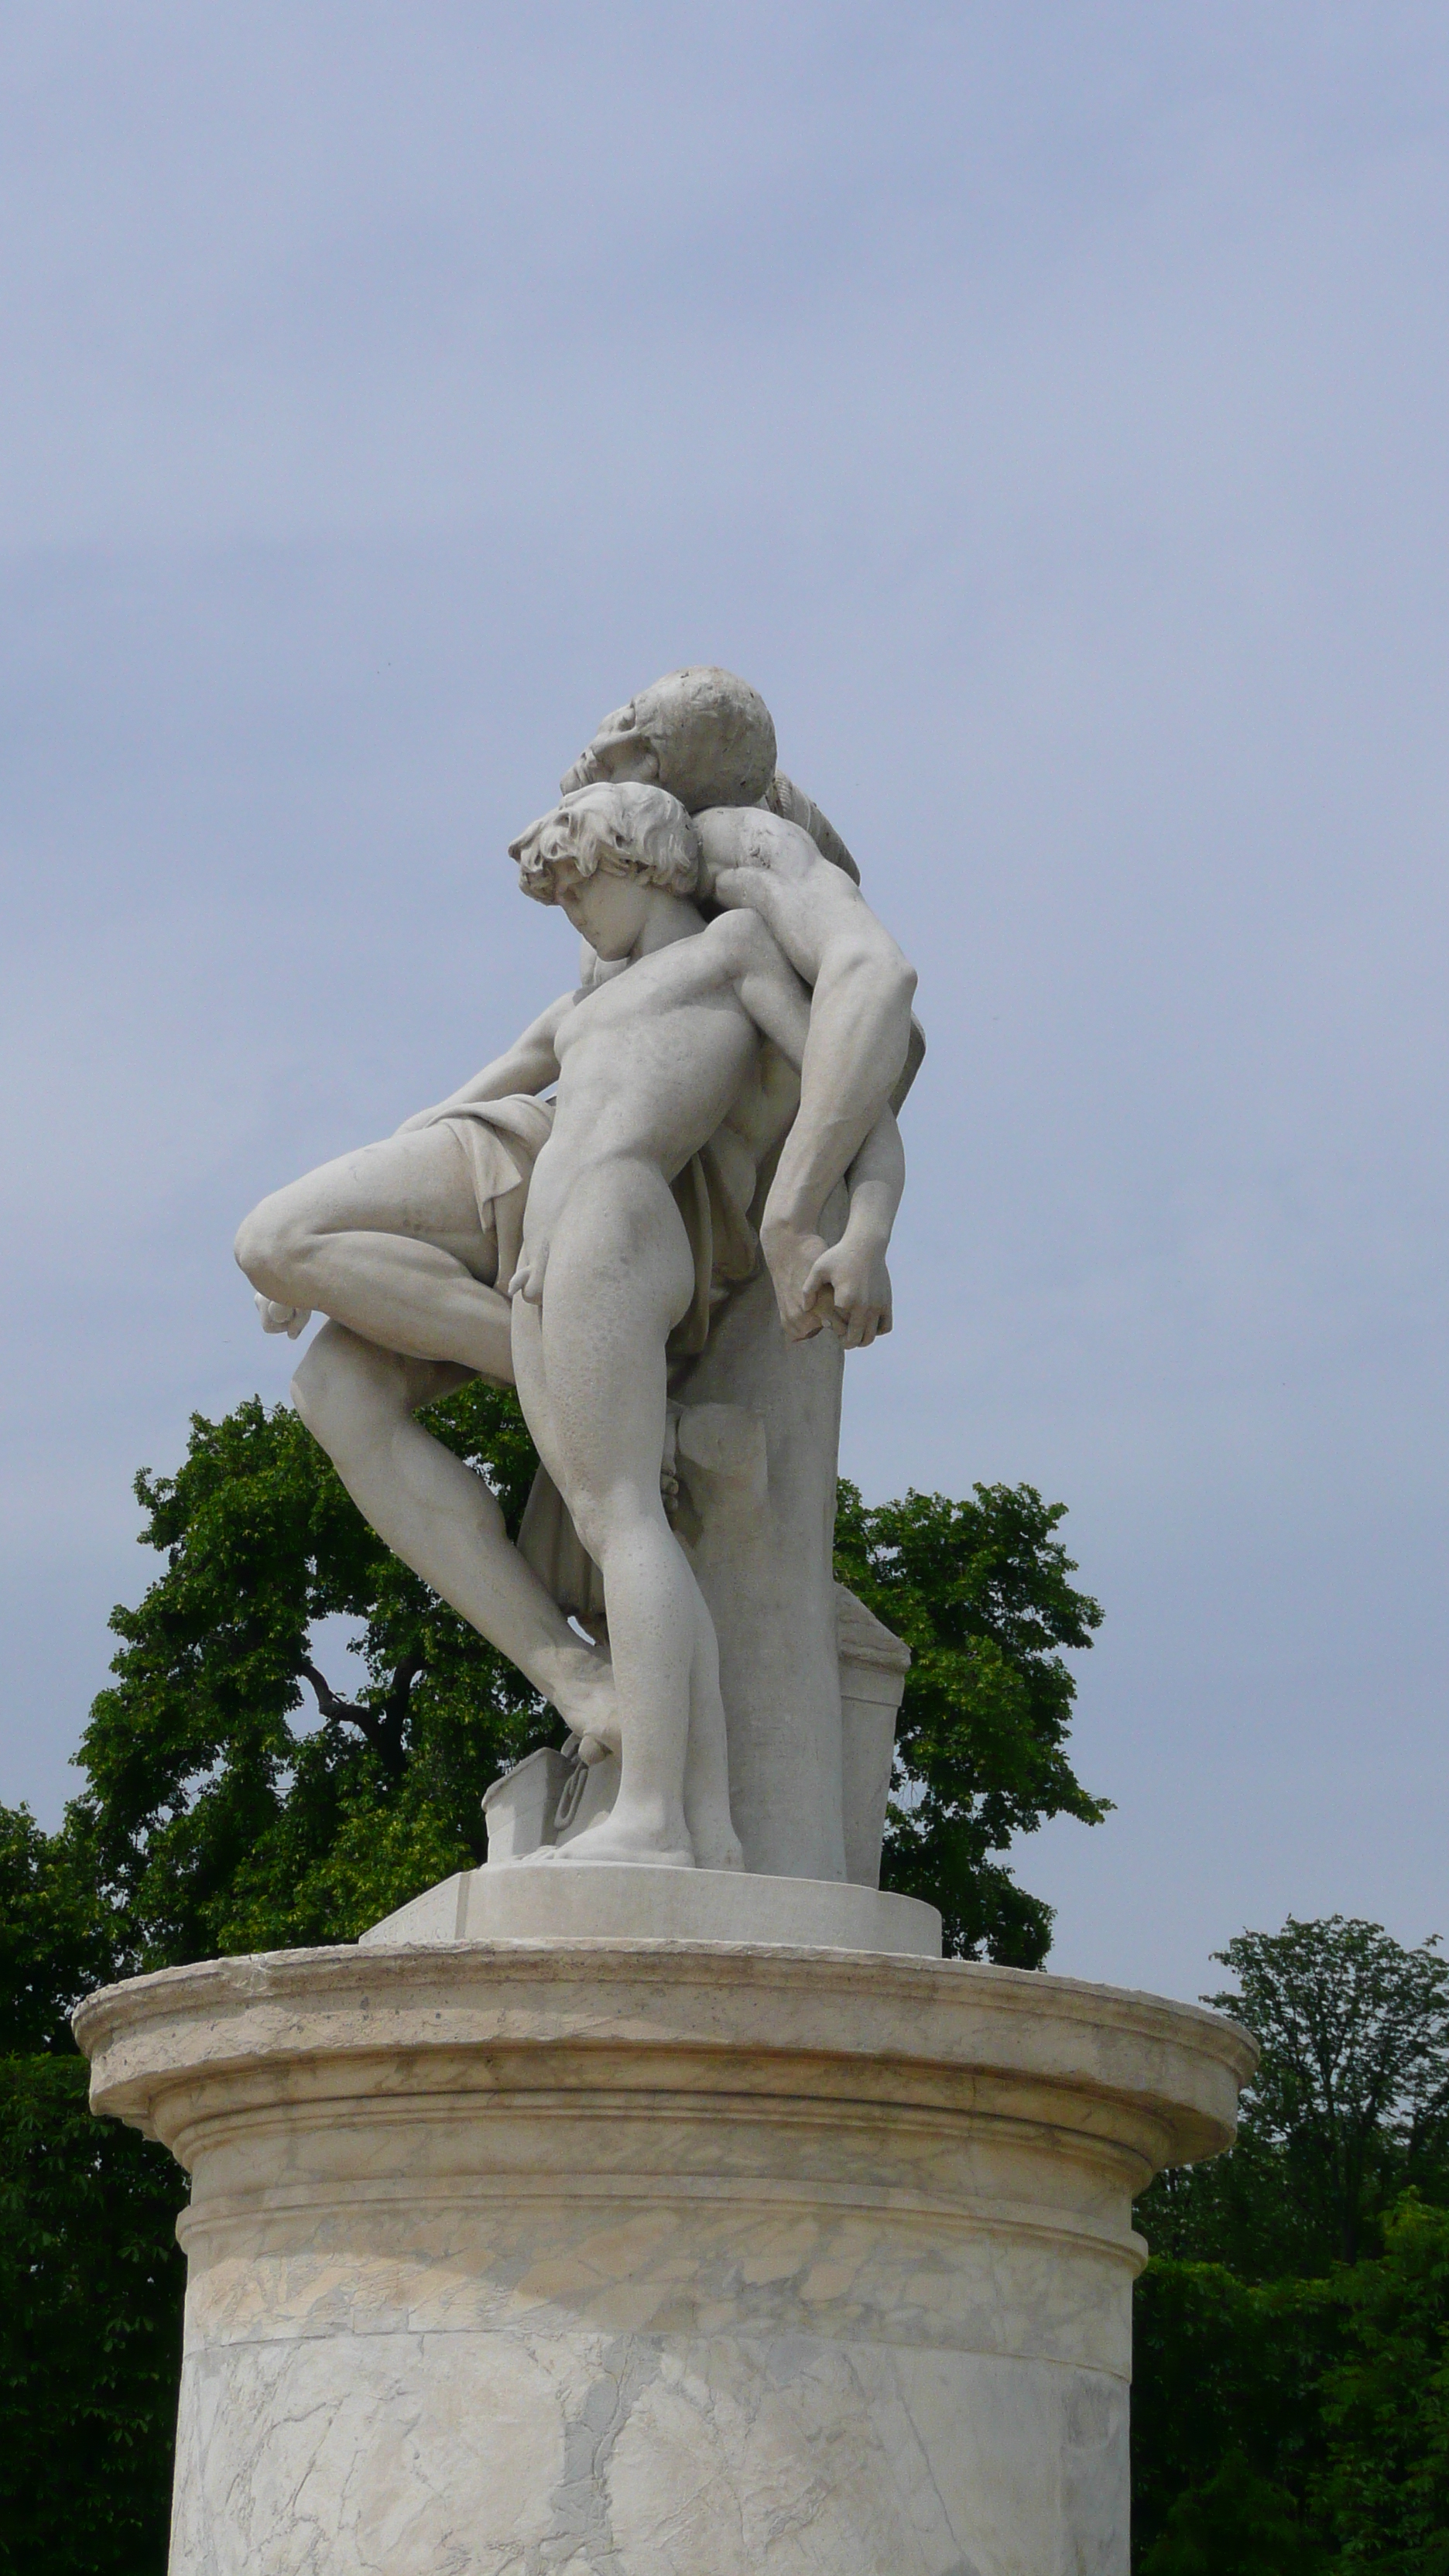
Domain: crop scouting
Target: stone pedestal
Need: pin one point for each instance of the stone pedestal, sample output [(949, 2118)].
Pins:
[(642, 2257)]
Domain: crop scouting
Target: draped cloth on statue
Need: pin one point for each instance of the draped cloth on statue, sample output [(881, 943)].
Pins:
[(726, 1253), (501, 1140)]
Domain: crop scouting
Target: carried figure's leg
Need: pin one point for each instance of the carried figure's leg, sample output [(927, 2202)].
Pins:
[(390, 1242), (440, 1517), (590, 1371), (433, 1511)]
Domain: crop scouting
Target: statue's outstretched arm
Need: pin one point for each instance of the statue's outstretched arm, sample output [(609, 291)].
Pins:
[(529, 1065)]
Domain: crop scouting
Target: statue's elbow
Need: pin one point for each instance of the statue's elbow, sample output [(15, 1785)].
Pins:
[(875, 961)]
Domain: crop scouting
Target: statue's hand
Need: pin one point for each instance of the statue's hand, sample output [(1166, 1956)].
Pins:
[(528, 1278), (791, 1257), (851, 1287), (277, 1318)]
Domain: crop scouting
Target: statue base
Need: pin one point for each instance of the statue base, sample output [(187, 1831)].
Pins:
[(577, 1900), (665, 2257)]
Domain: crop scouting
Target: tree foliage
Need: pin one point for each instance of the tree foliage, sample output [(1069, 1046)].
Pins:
[(1312, 2411), (1239, 2524), (57, 1937), (1385, 2485), (1353, 2085), (90, 2330), (1349, 2107), (237, 1799), (981, 1593), (1226, 2379), (1292, 2329)]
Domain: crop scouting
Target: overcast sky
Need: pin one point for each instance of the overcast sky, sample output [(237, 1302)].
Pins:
[(1045, 406)]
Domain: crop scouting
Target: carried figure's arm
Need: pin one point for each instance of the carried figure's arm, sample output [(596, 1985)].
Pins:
[(847, 1284), (859, 1029), (529, 1065)]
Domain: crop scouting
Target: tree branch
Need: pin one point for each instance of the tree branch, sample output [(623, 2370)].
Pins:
[(382, 1726)]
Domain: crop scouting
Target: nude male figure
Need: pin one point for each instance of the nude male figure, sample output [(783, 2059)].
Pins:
[(399, 1245), (649, 1063), (707, 737)]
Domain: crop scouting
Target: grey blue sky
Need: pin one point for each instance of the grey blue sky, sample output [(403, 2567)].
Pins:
[(1045, 405)]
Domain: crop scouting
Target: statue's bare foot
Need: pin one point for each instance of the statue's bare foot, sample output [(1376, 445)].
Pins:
[(632, 1838)]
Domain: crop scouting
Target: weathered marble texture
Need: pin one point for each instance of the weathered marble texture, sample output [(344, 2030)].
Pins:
[(656, 2258)]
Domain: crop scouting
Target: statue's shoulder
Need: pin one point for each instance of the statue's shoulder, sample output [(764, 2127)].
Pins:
[(748, 836)]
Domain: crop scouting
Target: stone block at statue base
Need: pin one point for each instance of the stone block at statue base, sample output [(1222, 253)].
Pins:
[(658, 2258)]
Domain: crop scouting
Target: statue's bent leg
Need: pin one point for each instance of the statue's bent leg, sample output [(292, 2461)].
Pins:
[(590, 1370), (389, 1241), (438, 1516)]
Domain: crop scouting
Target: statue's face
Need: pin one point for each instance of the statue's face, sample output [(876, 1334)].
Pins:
[(625, 745), (609, 909)]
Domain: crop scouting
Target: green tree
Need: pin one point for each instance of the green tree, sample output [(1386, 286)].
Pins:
[(1352, 2090), (1269, 2330), (58, 1938), (1310, 2417), (90, 2330), (1385, 2486), (237, 1799), (1237, 2525), (981, 1593), (1224, 2371), (1349, 2107)]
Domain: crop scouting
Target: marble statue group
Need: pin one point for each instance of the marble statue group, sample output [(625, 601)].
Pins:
[(666, 1257), (688, 2210)]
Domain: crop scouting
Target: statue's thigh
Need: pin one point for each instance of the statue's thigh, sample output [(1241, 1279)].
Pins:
[(418, 1185), (620, 1274)]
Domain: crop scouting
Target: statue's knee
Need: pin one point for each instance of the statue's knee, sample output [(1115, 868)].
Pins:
[(266, 1243), (610, 1517)]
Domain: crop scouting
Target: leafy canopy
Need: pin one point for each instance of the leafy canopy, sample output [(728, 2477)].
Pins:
[(91, 2279), (1349, 2107), (981, 1593), (1296, 2424), (239, 1800), (1291, 2373), (1352, 2091)]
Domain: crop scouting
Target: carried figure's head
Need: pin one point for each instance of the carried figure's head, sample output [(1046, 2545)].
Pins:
[(603, 854), (705, 736)]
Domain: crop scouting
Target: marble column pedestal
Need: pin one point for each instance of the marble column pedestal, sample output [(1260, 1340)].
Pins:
[(641, 2257)]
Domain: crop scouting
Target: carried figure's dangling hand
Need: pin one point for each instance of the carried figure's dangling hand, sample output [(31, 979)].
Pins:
[(277, 1318)]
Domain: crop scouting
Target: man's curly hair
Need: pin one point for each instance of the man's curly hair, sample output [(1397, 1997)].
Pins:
[(619, 825)]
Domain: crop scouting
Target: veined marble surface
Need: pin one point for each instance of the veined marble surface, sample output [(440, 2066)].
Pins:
[(656, 2258)]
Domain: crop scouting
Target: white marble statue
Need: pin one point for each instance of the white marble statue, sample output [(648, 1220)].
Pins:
[(737, 992), (691, 2215), (650, 1063)]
